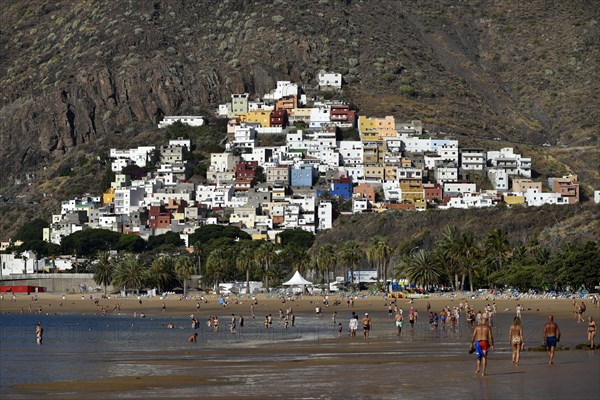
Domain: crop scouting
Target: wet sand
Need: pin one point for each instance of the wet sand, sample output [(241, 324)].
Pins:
[(325, 366)]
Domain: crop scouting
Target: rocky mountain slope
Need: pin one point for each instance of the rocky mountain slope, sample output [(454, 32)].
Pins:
[(77, 77)]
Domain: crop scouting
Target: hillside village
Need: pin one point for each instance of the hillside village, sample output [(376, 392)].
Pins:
[(306, 182)]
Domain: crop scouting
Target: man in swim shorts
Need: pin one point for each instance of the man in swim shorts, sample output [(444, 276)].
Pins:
[(483, 341), (366, 322), (399, 320), (551, 337)]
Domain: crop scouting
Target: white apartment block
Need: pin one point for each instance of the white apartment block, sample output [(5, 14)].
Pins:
[(330, 80), (128, 199), (351, 152), (446, 174), (245, 136), (449, 153), (473, 159), (325, 215), (514, 164), (191, 120)]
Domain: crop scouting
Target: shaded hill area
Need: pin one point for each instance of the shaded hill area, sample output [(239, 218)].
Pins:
[(551, 226), (80, 77)]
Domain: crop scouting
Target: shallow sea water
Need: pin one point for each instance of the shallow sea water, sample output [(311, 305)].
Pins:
[(308, 361)]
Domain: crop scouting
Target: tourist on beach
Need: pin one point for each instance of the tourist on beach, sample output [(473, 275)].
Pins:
[(483, 341), (515, 338), (398, 320), (366, 322), (551, 337), (164, 306), (232, 324), (241, 321), (266, 322), (580, 312), (591, 331), (519, 310), (353, 325), (340, 329), (39, 333), (215, 324), (192, 339)]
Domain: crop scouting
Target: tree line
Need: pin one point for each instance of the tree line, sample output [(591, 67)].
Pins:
[(457, 259)]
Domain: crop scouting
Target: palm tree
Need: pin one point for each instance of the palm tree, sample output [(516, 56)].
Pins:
[(497, 247), (161, 272), (129, 273), (303, 262), (326, 260), (379, 252), (185, 266), (451, 244), (350, 255), (104, 270), (216, 264), (246, 262), (421, 269), (469, 260), (441, 259), (265, 256)]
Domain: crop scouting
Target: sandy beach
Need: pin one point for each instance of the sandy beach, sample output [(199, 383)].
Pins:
[(311, 361)]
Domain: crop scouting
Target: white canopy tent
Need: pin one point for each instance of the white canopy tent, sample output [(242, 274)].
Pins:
[(298, 280)]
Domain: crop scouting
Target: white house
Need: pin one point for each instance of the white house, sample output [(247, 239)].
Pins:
[(457, 188), (330, 80), (214, 196), (413, 144), (499, 179), (191, 120), (245, 136), (325, 215), (469, 200), (533, 197), (359, 205), (283, 89)]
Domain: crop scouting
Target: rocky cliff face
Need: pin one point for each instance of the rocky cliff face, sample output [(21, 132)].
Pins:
[(85, 72)]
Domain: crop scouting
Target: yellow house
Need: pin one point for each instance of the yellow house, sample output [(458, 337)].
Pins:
[(512, 199), (109, 196), (376, 128), (412, 189), (262, 117)]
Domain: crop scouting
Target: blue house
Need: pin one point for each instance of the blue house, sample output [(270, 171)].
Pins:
[(303, 176), (341, 188)]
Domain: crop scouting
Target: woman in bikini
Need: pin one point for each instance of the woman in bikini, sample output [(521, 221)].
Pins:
[(591, 331), (516, 340)]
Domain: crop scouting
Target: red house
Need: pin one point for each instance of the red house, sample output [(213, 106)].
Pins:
[(159, 217), (279, 118)]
